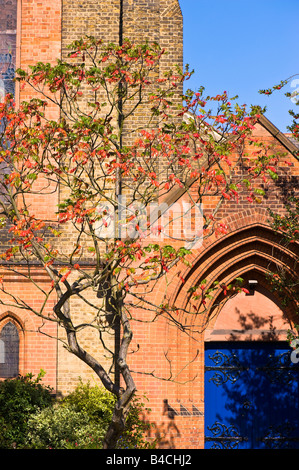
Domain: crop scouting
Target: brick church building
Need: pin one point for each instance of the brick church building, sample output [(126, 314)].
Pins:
[(208, 402)]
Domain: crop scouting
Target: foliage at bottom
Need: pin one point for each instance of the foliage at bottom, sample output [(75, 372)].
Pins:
[(30, 418)]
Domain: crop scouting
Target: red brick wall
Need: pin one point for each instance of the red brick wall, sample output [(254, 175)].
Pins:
[(37, 337), (38, 39), (40, 31)]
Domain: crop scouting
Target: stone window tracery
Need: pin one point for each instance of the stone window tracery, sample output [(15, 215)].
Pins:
[(8, 46)]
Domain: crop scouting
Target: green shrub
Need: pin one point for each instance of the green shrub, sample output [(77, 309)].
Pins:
[(19, 399), (81, 420), (61, 427), (98, 404), (95, 401)]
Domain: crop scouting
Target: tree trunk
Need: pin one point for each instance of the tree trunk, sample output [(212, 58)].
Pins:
[(122, 342), (117, 425)]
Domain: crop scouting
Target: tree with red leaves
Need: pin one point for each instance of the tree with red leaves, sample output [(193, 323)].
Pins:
[(286, 224), (127, 141)]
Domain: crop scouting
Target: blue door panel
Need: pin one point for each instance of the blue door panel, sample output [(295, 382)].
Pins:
[(251, 396)]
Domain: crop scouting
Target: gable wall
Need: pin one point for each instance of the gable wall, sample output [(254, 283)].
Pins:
[(178, 407)]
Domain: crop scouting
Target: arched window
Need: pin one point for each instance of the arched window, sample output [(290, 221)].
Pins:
[(9, 351), (8, 42)]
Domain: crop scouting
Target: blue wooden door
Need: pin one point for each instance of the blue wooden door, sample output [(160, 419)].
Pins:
[(251, 396)]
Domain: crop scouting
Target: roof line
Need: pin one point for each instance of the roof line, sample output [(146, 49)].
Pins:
[(175, 193), (282, 138)]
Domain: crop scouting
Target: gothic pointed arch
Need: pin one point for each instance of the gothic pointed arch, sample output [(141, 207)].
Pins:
[(251, 250), (11, 346)]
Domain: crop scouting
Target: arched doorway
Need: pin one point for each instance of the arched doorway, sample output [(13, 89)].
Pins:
[(257, 323), (251, 383)]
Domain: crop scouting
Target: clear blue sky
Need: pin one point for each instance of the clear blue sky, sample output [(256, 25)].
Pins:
[(242, 46)]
